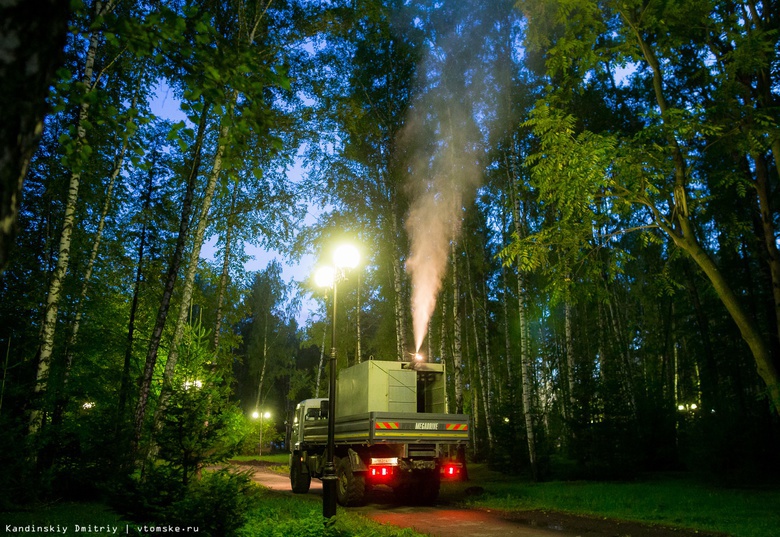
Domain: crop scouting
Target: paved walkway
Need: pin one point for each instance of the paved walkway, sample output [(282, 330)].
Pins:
[(438, 521)]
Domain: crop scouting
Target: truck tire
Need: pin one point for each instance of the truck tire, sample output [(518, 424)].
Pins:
[(300, 480), (350, 487)]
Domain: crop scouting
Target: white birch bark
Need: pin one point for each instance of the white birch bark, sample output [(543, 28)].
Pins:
[(322, 362), (457, 351), (265, 363), (400, 325), (63, 258), (224, 278), (192, 269), (569, 407), (525, 361)]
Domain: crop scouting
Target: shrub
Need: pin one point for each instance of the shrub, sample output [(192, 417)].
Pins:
[(217, 503)]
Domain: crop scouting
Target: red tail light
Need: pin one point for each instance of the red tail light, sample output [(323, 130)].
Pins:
[(451, 470), (380, 473)]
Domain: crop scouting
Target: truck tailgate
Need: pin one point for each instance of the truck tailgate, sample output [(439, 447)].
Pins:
[(403, 427)]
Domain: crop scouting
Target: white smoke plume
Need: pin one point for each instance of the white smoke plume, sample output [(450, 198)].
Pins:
[(462, 80)]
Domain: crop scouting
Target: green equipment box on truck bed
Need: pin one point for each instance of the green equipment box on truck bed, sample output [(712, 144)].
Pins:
[(391, 429)]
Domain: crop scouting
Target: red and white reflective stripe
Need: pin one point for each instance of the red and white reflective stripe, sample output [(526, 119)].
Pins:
[(457, 427), (386, 425)]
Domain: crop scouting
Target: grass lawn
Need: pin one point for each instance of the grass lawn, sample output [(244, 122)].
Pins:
[(277, 515), (301, 516), (276, 458), (666, 500), (278, 462)]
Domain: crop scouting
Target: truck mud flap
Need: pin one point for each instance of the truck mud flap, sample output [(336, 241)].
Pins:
[(356, 462)]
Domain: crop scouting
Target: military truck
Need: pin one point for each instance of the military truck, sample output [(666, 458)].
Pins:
[(391, 428)]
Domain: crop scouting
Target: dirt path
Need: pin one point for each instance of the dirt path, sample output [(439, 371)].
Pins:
[(447, 520)]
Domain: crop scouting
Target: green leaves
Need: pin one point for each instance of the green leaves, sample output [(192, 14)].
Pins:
[(570, 169)]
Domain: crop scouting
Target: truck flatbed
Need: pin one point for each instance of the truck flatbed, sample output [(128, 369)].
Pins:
[(391, 428)]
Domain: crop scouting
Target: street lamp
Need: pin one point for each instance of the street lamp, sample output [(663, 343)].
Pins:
[(345, 257), (256, 415)]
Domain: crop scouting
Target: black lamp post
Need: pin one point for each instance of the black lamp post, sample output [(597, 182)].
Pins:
[(345, 257)]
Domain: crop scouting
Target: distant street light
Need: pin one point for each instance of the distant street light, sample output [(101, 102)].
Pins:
[(256, 415), (691, 407), (345, 257)]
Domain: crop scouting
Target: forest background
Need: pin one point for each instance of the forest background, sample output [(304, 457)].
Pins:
[(591, 188)]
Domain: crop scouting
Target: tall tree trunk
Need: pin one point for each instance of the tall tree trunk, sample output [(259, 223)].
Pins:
[(34, 37), (63, 258), (400, 324), (527, 376), (706, 361), (248, 27), (457, 356), (525, 359), (429, 340), (510, 380), (358, 350), (626, 370), (322, 362), (5, 372), (224, 278), (766, 101), (488, 356), (260, 382), (675, 361), (570, 401), (192, 267), (479, 366), (681, 230), (750, 333), (170, 282), (124, 389), (763, 190), (73, 339), (443, 349), (93, 257)]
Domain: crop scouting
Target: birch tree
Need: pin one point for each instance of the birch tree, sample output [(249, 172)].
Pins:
[(81, 150)]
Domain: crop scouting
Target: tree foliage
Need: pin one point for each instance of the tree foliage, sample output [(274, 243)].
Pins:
[(607, 292)]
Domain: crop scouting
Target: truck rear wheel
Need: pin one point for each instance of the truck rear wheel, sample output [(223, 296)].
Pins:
[(300, 481), (351, 487)]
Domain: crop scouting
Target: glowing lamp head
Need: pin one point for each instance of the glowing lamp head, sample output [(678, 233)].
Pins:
[(418, 357), (346, 256), (325, 276)]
